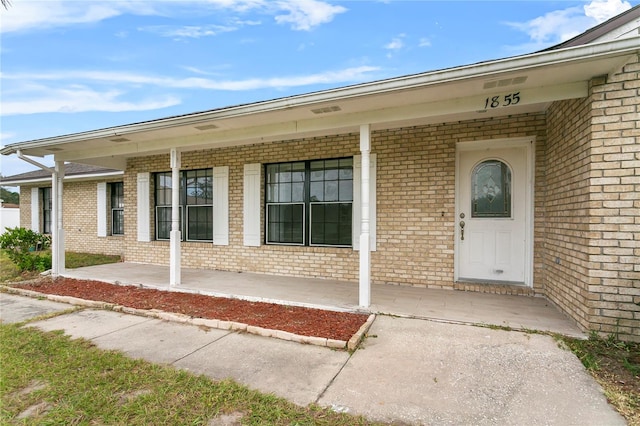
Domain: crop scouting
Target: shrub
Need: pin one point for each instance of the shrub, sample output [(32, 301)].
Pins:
[(24, 248)]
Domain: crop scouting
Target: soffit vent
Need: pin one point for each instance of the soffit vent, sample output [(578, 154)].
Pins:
[(326, 110), (54, 149), (206, 127), (121, 139), (505, 82)]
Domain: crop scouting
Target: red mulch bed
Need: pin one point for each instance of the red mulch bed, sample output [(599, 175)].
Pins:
[(301, 321)]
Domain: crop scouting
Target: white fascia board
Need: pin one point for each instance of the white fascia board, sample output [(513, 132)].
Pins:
[(343, 121), (66, 178), (483, 69)]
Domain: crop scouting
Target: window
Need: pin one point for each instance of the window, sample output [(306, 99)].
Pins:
[(45, 194), (309, 202), (491, 189), (117, 208), (196, 203)]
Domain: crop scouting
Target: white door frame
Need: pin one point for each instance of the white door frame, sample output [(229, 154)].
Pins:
[(529, 143)]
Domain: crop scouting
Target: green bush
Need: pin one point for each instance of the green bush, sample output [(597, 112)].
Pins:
[(25, 248)]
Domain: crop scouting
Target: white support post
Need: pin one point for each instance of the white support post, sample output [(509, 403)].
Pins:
[(175, 235), (57, 220), (365, 242)]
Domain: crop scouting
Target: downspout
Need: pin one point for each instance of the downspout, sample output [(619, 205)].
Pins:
[(57, 233)]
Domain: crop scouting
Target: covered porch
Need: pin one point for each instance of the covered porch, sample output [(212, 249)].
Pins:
[(516, 312)]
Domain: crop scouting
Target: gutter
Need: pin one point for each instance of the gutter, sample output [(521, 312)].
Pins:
[(478, 70), (80, 177)]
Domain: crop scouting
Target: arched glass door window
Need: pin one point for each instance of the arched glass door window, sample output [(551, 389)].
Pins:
[(491, 190)]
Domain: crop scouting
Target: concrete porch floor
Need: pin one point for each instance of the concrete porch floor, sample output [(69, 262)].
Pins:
[(517, 312)]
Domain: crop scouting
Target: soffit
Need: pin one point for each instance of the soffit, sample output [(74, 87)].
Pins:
[(429, 100)]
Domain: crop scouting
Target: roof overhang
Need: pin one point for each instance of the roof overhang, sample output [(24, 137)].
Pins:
[(74, 178), (455, 94)]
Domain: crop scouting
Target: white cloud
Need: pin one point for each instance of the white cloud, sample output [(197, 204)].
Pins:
[(396, 43), (26, 15), (424, 42), (4, 136), (602, 10), (75, 98), (307, 14), (192, 31), (54, 92), (561, 25)]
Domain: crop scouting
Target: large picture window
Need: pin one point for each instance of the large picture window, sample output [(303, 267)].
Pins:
[(196, 205), (309, 202), (117, 208)]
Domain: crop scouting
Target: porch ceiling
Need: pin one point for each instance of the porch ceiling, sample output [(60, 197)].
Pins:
[(438, 97)]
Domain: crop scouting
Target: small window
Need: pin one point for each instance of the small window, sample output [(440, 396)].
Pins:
[(45, 194), (117, 208), (310, 202), (491, 190)]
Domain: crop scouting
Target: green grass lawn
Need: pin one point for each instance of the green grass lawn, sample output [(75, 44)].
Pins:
[(9, 272), (72, 382)]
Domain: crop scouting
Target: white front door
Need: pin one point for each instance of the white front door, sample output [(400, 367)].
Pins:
[(493, 217)]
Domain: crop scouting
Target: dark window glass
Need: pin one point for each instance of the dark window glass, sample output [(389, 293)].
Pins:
[(46, 210), (491, 190), (309, 202), (196, 201), (117, 208)]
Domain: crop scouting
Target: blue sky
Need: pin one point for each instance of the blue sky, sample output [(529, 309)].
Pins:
[(72, 66)]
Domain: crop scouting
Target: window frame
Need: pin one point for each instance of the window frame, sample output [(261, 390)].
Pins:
[(46, 195), (506, 189), (119, 211), (184, 201), (308, 203)]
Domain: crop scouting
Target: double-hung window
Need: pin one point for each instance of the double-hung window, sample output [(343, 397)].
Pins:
[(46, 210), (196, 205), (310, 202), (117, 208)]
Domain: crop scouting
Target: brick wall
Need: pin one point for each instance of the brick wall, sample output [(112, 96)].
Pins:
[(80, 218), (415, 209), (592, 244), (614, 285), (566, 246)]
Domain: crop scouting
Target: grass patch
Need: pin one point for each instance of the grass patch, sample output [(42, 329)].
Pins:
[(51, 379), (78, 260), (10, 272), (616, 367)]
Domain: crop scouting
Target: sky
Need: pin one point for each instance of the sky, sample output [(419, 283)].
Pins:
[(73, 66)]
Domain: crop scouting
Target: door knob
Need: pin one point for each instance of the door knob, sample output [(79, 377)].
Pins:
[(462, 229)]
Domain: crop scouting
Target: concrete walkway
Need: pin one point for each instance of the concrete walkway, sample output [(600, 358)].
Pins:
[(518, 312), (409, 371)]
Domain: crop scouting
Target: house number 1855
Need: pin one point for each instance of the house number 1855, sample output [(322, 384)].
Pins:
[(502, 101)]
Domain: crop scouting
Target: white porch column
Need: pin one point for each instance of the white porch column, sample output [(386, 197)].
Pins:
[(175, 235), (365, 242), (57, 220)]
